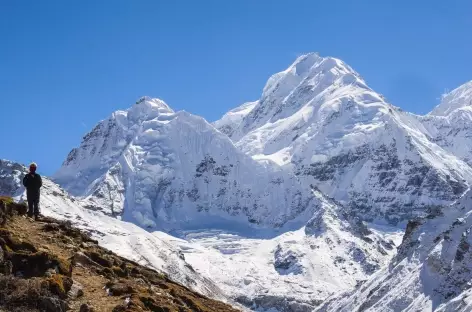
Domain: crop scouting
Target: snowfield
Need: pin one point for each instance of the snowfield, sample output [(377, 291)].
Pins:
[(318, 195)]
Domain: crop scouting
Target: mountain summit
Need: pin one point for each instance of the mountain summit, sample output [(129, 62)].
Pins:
[(289, 94)]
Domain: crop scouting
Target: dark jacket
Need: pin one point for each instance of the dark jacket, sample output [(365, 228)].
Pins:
[(32, 182)]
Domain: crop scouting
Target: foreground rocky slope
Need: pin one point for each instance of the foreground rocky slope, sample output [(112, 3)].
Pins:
[(126, 239), (51, 266)]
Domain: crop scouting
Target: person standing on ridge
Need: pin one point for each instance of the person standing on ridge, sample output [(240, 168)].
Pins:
[(33, 182)]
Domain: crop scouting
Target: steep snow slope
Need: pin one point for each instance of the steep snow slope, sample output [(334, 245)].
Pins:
[(320, 120), (432, 271), (125, 239), (174, 170)]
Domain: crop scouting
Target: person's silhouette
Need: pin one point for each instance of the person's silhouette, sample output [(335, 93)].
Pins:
[(33, 182)]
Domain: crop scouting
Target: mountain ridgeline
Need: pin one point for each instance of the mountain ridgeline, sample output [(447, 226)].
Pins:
[(321, 167), (317, 125)]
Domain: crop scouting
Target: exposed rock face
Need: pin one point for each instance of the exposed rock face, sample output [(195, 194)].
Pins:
[(286, 262), (283, 304)]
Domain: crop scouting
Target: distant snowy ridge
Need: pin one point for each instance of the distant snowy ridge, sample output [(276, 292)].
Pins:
[(232, 119), (460, 97), (448, 125)]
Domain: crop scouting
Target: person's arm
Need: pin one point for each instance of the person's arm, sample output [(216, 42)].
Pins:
[(40, 181), (25, 181)]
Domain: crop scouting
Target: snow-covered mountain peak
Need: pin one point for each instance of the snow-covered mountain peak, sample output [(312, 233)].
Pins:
[(158, 168), (308, 76), (316, 123), (458, 98), (312, 64), (311, 84), (115, 132), (149, 108), (308, 66), (297, 71)]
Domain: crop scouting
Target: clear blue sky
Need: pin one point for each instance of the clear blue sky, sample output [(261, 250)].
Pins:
[(65, 65)]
